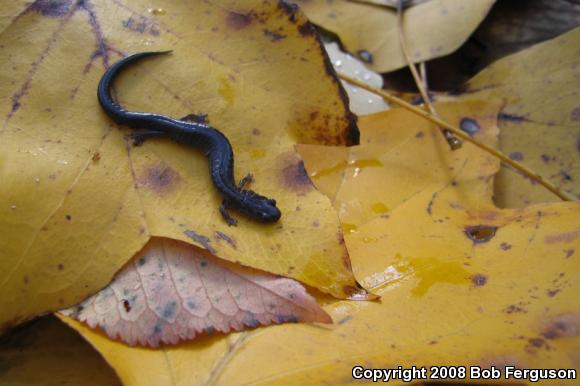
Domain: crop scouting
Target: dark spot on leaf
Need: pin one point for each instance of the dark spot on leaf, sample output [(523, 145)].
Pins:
[(516, 156), (546, 158), (510, 118), (480, 233), (251, 320), (160, 178), (433, 342), (294, 176), (313, 115), (26, 279), (52, 8), (537, 342), (289, 8), (60, 266), (469, 125), (365, 56), (126, 305), (140, 25), (553, 292), (575, 114), (419, 134), (226, 238), (565, 175), (68, 217), (169, 310), (239, 20), (256, 131), (562, 326), (200, 239), (479, 280), (514, 309), (274, 36), (315, 223), (307, 29), (569, 253), (505, 246)]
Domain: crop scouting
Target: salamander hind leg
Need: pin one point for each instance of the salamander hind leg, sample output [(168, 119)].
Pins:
[(138, 137), (246, 181), (226, 215)]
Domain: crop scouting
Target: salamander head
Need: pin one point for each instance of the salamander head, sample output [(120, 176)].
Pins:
[(260, 208)]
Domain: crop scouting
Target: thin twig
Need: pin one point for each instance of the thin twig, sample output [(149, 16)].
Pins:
[(454, 143), (457, 132), (423, 71)]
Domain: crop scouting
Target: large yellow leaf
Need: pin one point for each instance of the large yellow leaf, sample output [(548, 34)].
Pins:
[(540, 122), (461, 281), (77, 201), (432, 29)]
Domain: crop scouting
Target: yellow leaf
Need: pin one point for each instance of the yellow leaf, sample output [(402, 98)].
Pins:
[(432, 29), (461, 282), (540, 122), (47, 352), (77, 201)]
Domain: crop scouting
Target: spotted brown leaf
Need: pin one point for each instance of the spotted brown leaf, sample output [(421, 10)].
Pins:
[(172, 291)]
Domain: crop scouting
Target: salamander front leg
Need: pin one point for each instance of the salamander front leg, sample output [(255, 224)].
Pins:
[(226, 215), (138, 137)]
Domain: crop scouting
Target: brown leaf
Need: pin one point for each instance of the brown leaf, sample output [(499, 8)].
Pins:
[(172, 291)]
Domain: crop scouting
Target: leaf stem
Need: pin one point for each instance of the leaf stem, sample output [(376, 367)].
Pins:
[(458, 133), (421, 83)]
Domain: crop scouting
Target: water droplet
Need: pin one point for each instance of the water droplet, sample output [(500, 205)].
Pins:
[(354, 90), (370, 101), (338, 63), (37, 180), (148, 42), (349, 228), (62, 162), (357, 72), (157, 11), (367, 76), (13, 206)]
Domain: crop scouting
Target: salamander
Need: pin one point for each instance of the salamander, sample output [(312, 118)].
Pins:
[(202, 136)]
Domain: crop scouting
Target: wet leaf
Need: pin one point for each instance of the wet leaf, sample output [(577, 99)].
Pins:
[(77, 201), (432, 29), (172, 291), (46, 352), (361, 101), (445, 298), (540, 122)]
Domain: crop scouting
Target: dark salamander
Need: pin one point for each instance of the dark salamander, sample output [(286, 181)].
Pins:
[(213, 143)]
